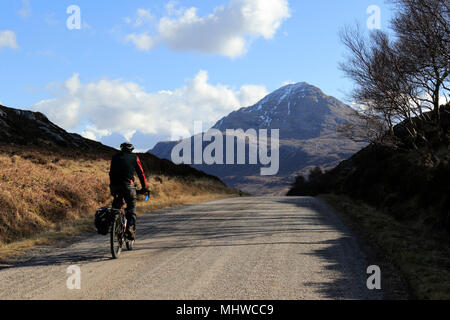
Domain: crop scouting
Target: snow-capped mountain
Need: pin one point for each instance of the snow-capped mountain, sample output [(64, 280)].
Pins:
[(298, 110), (307, 119)]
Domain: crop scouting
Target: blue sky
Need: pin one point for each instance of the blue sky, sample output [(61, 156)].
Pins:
[(145, 70)]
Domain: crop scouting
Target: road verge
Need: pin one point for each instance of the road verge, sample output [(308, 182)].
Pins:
[(413, 260)]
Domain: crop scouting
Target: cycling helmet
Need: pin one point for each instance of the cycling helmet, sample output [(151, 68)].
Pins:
[(127, 147)]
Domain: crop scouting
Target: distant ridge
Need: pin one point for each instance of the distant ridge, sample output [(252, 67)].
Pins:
[(307, 119)]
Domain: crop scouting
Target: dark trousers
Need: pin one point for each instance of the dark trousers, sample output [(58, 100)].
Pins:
[(125, 193)]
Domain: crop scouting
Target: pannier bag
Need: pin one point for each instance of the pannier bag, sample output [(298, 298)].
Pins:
[(104, 217)]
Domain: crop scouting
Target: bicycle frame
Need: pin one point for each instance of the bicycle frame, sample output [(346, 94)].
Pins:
[(121, 236), (123, 217)]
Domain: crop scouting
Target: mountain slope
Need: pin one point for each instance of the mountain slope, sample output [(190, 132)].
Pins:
[(33, 128), (307, 120)]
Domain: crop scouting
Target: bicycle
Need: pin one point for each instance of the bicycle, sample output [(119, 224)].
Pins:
[(118, 233)]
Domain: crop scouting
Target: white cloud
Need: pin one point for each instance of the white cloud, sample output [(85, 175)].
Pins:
[(142, 41), (89, 135), (227, 31), (428, 105), (142, 17), (8, 39), (172, 9), (25, 11), (116, 106), (250, 94), (73, 84), (91, 132)]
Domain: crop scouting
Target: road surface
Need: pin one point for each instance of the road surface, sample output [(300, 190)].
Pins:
[(243, 248)]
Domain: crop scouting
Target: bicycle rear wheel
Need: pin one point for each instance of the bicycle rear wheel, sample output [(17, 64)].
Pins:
[(116, 237)]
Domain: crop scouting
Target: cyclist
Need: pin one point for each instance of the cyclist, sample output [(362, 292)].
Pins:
[(123, 166)]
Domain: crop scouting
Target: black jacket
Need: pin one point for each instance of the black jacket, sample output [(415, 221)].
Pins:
[(123, 167)]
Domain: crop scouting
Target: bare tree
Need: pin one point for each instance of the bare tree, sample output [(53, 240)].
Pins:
[(366, 127), (422, 27), (398, 77)]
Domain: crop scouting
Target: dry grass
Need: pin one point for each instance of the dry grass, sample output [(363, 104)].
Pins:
[(170, 192), (38, 193), (46, 197), (423, 260)]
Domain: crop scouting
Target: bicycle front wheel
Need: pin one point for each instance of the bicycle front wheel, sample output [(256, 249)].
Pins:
[(116, 237)]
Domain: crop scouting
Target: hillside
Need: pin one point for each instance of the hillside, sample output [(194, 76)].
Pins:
[(23, 127), (33, 129), (51, 180), (405, 182), (307, 120)]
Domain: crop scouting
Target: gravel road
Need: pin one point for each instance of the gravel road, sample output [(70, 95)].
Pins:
[(243, 248)]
